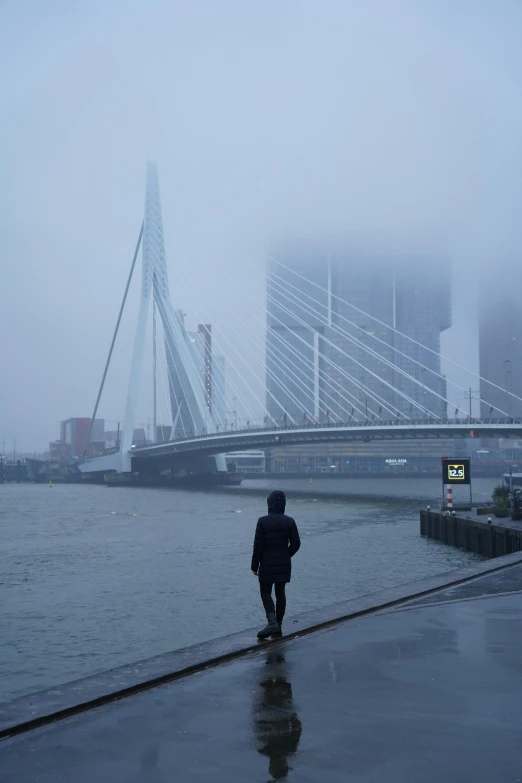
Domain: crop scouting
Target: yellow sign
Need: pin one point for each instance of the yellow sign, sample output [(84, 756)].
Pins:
[(456, 472)]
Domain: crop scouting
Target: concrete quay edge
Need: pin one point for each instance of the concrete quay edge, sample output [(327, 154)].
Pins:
[(45, 707)]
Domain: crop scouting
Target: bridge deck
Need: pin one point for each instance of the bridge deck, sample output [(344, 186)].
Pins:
[(266, 437), (209, 444)]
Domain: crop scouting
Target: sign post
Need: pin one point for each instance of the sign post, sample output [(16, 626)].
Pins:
[(456, 472)]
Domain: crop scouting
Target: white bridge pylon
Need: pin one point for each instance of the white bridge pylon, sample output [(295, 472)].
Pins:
[(186, 389), (155, 282)]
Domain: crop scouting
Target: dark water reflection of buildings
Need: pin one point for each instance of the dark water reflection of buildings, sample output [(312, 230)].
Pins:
[(277, 727)]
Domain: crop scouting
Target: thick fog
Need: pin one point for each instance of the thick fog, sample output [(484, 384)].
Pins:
[(267, 120)]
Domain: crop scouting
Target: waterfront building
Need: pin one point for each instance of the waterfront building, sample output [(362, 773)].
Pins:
[(74, 432), (410, 456), (246, 461), (211, 372), (59, 451)]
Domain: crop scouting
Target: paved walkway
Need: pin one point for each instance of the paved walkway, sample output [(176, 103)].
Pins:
[(431, 691)]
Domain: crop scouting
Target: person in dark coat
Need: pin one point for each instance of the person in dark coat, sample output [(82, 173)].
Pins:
[(276, 541)]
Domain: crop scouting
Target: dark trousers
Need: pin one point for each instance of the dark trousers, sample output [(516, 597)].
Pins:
[(268, 602)]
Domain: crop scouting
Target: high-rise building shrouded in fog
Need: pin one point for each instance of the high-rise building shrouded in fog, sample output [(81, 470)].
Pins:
[(363, 287), (500, 346), (201, 369), (210, 371)]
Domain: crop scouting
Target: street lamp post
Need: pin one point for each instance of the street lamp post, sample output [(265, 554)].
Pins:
[(423, 389), (443, 393), (469, 395), (507, 372)]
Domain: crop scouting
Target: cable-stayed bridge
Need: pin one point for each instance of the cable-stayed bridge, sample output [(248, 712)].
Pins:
[(326, 378)]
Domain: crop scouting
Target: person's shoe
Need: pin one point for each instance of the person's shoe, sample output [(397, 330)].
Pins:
[(271, 627), (279, 631)]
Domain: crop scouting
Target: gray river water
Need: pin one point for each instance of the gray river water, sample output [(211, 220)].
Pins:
[(92, 578)]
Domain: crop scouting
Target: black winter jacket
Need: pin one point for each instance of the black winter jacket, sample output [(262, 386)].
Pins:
[(275, 542)]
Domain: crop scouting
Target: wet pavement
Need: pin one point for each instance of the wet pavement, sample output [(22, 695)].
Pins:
[(427, 692)]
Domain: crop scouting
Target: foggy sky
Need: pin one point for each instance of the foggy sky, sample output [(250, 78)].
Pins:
[(266, 120)]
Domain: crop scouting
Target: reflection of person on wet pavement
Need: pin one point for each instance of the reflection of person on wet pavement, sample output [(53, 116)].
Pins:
[(276, 723)]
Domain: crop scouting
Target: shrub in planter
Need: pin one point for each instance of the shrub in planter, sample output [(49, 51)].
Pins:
[(501, 494)]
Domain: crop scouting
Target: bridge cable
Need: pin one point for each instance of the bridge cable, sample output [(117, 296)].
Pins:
[(168, 401), (233, 388), (332, 383), (397, 331), (167, 317), (298, 382), (363, 346), (368, 392), (169, 304), (401, 370), (115, 334), (366, 369), (247, 385), (374, 396), (289, 373), (197, 372), (164, 318), (192, 359), (171, 392)]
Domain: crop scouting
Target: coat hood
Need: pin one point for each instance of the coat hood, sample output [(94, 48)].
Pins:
[(276, 502)]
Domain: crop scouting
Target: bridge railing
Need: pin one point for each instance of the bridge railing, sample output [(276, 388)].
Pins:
[(352, 424)]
